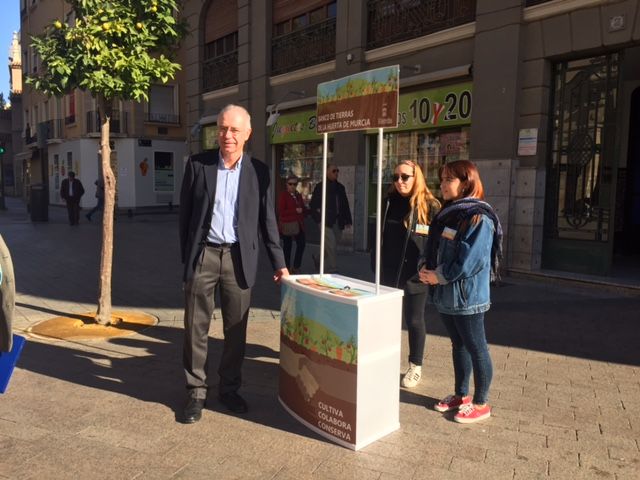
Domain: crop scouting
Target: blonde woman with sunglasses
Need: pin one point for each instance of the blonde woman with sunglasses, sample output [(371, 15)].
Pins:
[(408, 210)]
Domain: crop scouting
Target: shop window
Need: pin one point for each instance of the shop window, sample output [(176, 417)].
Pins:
[(430, 148), (303, 160)]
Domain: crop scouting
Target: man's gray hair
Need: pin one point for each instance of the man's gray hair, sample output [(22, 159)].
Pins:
[(232, 106)]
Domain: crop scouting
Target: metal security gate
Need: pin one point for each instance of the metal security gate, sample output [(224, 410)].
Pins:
[(581, 171)]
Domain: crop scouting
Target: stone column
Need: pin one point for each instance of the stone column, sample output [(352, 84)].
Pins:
[(495, 104)]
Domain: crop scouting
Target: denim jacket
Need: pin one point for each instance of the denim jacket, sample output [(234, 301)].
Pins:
[(464, 270)]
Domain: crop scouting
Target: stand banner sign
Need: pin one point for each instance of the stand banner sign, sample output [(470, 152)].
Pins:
[(360, 101)]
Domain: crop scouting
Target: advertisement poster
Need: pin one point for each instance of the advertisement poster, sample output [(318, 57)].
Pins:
[(360, 101)]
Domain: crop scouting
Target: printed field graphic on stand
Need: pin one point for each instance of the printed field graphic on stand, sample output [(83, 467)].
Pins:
[(318, 358), (336, 336)]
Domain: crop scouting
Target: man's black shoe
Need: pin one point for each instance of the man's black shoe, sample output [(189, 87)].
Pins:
[(234, 402), (193, 410)]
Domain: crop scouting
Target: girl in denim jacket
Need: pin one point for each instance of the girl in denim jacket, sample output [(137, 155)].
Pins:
[(460, 260)]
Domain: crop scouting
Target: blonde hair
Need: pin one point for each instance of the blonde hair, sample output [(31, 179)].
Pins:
[(421, 199)]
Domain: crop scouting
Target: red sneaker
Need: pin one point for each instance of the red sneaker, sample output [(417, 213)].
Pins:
[(471, 413), (452, 402)]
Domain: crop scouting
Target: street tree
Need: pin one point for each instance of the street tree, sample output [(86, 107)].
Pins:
[(116, 50)]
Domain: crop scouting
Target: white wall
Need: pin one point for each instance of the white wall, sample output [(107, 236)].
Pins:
[(134, 189)]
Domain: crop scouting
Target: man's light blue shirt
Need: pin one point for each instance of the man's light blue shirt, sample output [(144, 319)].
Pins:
[(224, 222)]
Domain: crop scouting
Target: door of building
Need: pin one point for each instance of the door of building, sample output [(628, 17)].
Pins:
[(627, 229), (581, 169)]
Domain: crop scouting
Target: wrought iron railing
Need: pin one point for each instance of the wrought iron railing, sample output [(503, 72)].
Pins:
[(118, 123), (51, 128), (303, 48), (163, 117), (392, 21), (220, 72), (531, 3)]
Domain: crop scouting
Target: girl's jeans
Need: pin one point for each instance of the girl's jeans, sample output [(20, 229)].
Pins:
[(414, 316), (470, 353)]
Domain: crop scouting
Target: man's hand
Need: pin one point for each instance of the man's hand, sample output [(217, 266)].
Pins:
[(281, 272)]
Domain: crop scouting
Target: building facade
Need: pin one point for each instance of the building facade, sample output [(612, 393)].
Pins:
[(62, 134), (542, 95)]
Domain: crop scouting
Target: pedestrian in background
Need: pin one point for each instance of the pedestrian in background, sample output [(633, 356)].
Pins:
[(7, 297), (71, 191), (99, 183), (225, 206), (408, 211), (291, 210), (462, 257), (337, 216)]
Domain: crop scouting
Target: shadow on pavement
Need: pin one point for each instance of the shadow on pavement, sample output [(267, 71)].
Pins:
[(148, 367)]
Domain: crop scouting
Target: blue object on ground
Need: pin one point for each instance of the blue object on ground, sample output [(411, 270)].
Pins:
[(8, 361)]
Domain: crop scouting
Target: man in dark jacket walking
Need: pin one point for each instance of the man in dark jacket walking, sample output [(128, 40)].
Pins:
[(71, 191), (337, 216)]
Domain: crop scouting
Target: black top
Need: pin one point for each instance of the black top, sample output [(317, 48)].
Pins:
[(397, 263), (337, 205)]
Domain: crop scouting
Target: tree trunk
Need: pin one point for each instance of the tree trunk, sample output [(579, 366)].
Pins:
[(103, 316)]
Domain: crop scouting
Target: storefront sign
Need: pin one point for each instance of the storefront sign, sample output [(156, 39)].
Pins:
[(360, 101), (295, 127), (436, 107)]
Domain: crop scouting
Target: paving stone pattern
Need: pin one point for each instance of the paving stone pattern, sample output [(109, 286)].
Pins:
[(565, 395)]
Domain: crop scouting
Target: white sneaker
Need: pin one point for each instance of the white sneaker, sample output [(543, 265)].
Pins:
[(412, 377)]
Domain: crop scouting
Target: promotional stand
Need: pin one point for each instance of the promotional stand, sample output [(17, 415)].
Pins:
[(340, 337), (340, 357)]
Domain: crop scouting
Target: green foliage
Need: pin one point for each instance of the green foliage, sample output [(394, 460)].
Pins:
[(114, 48)]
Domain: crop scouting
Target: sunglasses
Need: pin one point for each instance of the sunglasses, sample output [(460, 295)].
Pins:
[(335, 170), (403, 176), (292, 184)]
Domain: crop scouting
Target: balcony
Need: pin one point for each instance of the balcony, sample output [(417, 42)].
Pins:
[(50, 130), (170, 118), (118, 124), (303, 48), (392, 21), (220, 72)]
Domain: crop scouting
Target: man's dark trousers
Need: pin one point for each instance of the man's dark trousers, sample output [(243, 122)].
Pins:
[(217, 266)]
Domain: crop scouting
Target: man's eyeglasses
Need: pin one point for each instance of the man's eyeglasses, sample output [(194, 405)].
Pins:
[(292, 184), (335, 170), (403, 176)]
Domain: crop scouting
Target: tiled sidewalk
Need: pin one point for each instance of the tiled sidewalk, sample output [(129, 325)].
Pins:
[(566, 390)]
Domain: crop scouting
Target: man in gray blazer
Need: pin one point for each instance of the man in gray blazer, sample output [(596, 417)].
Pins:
[(225, 206)]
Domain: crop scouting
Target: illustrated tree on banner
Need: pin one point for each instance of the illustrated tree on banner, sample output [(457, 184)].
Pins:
[(116, 50)]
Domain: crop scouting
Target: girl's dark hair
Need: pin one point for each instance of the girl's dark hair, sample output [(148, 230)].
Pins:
[(467, 173)]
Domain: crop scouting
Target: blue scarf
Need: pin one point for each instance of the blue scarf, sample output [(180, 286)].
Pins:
[(453, 215)]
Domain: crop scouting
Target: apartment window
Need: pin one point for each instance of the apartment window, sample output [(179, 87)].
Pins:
[(391, 21), (221, 46), (302, 21), (220, 66), (220, 49), (163, 105), (302, 38), (70, 100)]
